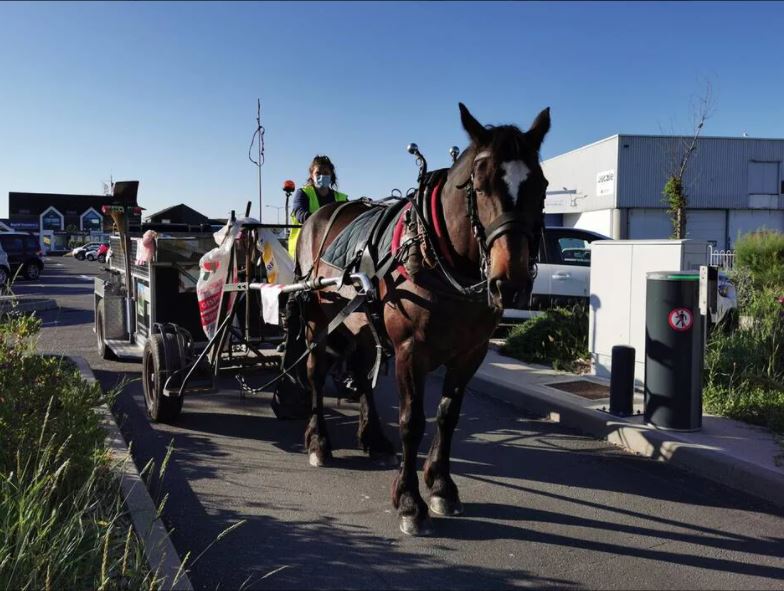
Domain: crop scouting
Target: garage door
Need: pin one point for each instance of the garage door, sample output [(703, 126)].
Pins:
[(647, 224), (745, 221), (707, 224)]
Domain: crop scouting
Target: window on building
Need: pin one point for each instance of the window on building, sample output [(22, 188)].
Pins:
[(92, 220), (51, 219), (763, 178)]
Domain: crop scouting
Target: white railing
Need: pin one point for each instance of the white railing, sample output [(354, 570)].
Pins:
[(723, 259)]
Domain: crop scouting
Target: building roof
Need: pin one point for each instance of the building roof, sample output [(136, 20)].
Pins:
[(179, 213)]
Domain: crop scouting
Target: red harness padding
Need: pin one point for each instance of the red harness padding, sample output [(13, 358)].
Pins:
[(443, 245)]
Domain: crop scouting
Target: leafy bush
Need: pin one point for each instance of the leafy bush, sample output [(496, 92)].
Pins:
[(34, 388), (559, 337), (762, 253)]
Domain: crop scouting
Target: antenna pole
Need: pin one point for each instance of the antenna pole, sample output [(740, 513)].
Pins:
[(258, 130)]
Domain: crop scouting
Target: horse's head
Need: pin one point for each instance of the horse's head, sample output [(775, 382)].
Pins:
[(505, 187)]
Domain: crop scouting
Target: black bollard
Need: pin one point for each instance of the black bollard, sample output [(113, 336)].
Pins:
[(622, 381)]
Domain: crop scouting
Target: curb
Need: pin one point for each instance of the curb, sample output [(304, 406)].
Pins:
[(22, 304), (635, 436), (158, 548)]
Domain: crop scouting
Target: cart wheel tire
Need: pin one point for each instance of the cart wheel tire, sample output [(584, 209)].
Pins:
[(160, 408), (103, 349)]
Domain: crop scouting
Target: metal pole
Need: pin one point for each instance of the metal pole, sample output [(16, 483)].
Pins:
[(258, 129)]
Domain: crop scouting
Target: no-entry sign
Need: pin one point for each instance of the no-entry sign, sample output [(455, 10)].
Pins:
[(680, 319)]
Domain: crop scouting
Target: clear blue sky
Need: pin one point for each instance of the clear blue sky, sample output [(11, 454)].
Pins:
[(166, 92)]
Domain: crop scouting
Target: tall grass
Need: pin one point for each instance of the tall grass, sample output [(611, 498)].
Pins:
[(61, 509), (744, 368)]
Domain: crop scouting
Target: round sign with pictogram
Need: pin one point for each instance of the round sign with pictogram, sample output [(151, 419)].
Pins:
[(680, 319)]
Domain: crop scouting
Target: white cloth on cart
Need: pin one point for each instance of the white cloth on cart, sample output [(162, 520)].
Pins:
[(270, 303)]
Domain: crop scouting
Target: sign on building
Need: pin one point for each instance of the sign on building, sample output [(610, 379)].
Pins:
[(605, 183)]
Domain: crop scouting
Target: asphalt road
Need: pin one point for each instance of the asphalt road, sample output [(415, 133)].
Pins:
[(544, 506)]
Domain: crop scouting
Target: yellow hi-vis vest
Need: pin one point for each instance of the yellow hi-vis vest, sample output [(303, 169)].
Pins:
[(313, 206)]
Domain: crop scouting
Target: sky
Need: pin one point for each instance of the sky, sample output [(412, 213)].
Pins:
[(165, 93)]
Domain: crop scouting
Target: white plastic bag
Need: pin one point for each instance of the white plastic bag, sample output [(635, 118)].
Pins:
[(214, 269)]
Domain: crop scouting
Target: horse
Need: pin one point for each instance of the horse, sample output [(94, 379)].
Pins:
[(491, 215)]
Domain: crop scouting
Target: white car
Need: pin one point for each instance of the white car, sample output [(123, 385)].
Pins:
[(564, 268), (80, 252), (564, 272)]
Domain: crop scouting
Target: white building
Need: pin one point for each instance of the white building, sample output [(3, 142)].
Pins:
[(615, 187)]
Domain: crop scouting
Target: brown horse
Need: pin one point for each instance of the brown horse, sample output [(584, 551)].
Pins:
[(491, 214)]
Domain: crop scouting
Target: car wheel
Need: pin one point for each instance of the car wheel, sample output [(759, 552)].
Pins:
[(79, 256), (90, 256), (32, 271)]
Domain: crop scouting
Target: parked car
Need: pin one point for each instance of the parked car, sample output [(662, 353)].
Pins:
[(564, 272), (24, 252), (564, 268), (5, 269), (80, 252)]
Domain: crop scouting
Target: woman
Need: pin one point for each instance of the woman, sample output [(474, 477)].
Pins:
[(319, 190)]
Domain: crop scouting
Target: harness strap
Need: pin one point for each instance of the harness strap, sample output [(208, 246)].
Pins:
[(501, 225), (330, 223)]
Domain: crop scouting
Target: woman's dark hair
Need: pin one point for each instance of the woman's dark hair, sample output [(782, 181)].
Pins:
[(321, 160)]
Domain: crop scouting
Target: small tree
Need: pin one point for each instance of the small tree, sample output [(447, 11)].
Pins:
[(674, 191)]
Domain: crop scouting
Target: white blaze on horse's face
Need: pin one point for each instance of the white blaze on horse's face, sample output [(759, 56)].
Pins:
[(515, 173)]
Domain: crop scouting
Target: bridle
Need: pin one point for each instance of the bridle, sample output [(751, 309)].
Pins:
[(504, 223), (485, 236)]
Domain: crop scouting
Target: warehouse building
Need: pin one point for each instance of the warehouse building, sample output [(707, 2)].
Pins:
[(615, 187)]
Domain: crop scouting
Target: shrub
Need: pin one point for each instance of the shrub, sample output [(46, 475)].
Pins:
[(744, 369), (762, 253), (558, 337)]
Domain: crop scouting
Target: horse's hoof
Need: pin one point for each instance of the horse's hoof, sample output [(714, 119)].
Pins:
[(411, 527), (440, 506), (314, 460)]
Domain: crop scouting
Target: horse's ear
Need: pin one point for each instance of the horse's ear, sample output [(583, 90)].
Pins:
[(475, 130), (539, 129)]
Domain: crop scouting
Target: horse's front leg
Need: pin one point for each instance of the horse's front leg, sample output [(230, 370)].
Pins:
[(317, 442), (412, 510), (444, 498)]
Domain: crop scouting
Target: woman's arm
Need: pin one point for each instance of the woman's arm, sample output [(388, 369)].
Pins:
[(300, 208)]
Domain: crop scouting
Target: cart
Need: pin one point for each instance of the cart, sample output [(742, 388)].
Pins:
[(150, 313)]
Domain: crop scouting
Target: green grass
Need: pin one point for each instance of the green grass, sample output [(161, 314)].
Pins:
[(558, 338), (62, 517)]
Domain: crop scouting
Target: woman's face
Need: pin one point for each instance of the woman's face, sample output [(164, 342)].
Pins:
[(320, 169)]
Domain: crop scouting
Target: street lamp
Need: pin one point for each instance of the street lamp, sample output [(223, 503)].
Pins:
[(278, 207)]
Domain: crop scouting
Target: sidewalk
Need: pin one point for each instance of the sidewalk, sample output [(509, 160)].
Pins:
[(736, 454)]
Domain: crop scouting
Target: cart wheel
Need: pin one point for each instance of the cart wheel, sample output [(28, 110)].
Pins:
[(103, 350), (160, 408)]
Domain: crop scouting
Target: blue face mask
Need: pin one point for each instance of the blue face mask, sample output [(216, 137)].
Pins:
[(323, 181)]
